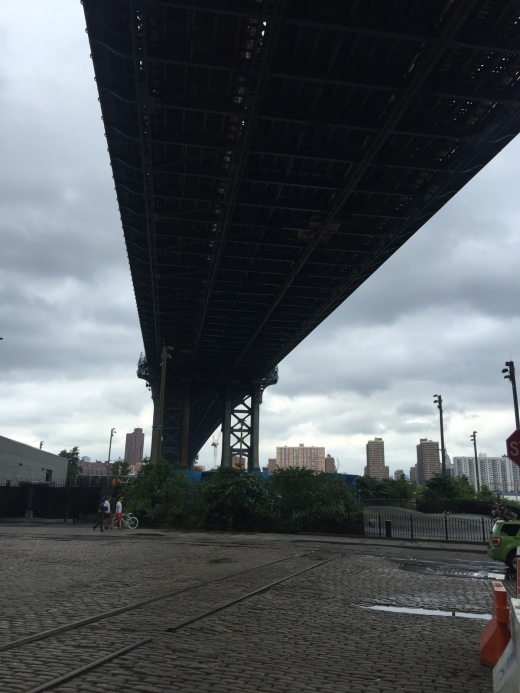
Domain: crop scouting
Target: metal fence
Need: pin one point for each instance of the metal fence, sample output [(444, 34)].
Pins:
[(443, 528), (41, 502), (80, 481)]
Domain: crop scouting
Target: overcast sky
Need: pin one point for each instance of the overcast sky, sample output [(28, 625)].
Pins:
[(441, 316)]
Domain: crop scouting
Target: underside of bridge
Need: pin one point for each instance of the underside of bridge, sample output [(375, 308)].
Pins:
[(269, 156)]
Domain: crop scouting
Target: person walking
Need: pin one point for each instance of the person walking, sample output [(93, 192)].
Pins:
[(119, 512), (108, 513), (101, 514)]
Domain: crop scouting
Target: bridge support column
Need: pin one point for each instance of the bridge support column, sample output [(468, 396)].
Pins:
[(253, 462), (226, 430), (155, 430), (186, 426)]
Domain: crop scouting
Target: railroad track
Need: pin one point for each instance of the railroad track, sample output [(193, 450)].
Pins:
[(20, 643)]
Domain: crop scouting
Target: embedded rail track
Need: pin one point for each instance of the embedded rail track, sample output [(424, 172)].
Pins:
[(75, 625)]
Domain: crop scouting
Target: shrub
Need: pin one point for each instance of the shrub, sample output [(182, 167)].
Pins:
[(235, 500)]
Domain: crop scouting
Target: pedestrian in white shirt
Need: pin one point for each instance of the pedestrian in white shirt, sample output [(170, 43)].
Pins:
[(119, 512), (108, 513)]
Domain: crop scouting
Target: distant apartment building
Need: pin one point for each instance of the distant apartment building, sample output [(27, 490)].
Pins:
[(237, 461), (398, 474), (134, 448), (499, 473), (271, 465), (376, 460), (84, 459), (428, 460), (309, 458), (414, 477), (96, 468), (330, 465)]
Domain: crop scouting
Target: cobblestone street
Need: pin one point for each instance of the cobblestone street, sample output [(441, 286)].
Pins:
[(308, 633)]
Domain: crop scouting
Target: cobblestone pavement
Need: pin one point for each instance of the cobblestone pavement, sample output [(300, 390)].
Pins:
[(306, 634)]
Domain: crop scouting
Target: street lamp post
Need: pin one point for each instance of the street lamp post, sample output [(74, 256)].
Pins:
[(438, 402), (473, 437), (112, 431), (510, 375)]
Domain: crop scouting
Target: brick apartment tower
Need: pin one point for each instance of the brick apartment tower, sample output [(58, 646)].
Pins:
[(309, 458), (376, 460), (134, 447), (330, 465), (428, 460)]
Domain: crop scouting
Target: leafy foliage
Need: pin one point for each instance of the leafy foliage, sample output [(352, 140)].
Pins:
[(159, 496), (72, 457), (233, 500), (447, 488), (305, 501), (388, 489), (121, 468), (237, 501)]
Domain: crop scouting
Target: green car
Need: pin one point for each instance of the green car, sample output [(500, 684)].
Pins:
[(503, 542)]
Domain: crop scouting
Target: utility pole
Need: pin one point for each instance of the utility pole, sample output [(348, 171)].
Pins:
[(473, 437), (438, 402), (112, 431), (510, 375), (158, 431)]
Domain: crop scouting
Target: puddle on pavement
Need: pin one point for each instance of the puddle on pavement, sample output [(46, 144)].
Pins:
[(425, 612), (446, 570)]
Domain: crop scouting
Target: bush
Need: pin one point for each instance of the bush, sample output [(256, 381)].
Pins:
[(237, 501), (160, 496), (305, 501)]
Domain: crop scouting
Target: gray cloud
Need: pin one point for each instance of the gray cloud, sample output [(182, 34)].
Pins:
[(440, 316)]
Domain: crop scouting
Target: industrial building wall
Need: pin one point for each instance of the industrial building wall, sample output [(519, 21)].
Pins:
[(20, 461)]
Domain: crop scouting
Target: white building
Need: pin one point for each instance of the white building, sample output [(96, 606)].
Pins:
[(24, 462), (499, 473)]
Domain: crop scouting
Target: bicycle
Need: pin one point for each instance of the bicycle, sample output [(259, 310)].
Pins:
[(129, 521)]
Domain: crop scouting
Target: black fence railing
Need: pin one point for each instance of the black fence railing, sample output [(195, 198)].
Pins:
[(81, 481), (41, 502), (413, 526), (408, 503)]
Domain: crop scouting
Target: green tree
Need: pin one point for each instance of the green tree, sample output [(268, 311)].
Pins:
[(73, 466), (486, 494), (446, 488), (307, 501), (237, 501), (121, 468), (159, 495)]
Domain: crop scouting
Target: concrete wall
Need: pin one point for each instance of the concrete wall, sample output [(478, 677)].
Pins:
[(20, 461)]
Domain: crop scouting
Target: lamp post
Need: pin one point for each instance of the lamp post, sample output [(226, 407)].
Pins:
[(473, 437), (438, 402), (112, 431), (510, 375)]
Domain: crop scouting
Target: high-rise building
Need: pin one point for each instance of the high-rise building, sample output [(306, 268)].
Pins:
[(398, 474), (414, 477), (330, 465), (310, 458), (499, 473), (376, 460), (134, 447), (271, 465), (428, 460)]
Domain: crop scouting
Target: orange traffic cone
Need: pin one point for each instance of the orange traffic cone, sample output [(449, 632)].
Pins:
[(496, 636)]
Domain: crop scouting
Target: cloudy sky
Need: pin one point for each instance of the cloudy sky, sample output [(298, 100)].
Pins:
[(441, 316)]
